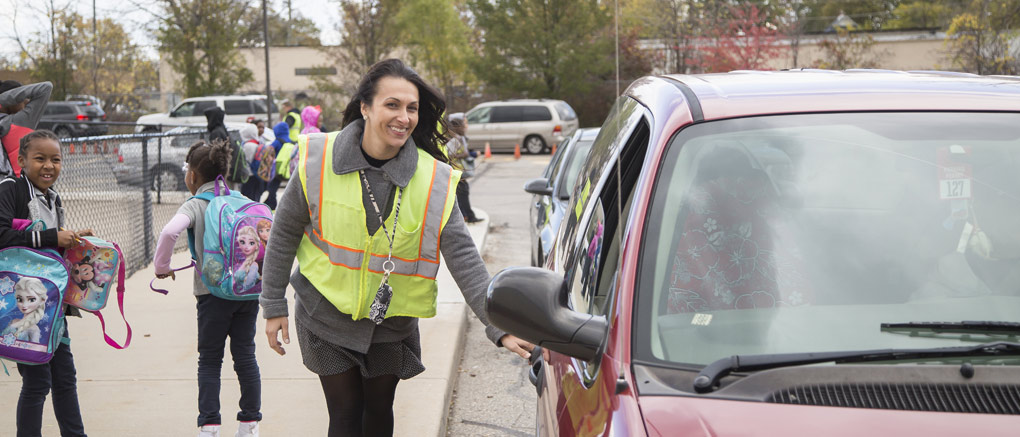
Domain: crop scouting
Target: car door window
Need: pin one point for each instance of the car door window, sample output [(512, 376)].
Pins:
[(48, 110), (480, 115), (237, 107), (535, 113), (64, 110), (506, 114), (186, 109), (201, 106)]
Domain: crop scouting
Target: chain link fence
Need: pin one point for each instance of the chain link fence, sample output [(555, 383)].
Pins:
[(127, 187)]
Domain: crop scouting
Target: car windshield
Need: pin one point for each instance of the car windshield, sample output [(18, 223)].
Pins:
[(804, 233), (565, 112), (572, 167)]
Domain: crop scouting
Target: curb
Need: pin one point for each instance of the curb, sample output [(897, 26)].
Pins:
[(158, 371), (422, 404)]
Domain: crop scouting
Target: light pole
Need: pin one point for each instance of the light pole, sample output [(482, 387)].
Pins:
[(269, 89)]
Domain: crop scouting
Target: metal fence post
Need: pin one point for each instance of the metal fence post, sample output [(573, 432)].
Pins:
[(159, 165), (146, 199)]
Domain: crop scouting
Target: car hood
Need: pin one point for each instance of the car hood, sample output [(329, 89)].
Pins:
[(154, 116), (694, 416)]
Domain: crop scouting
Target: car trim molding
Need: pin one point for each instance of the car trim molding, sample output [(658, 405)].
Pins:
[(692, 99)]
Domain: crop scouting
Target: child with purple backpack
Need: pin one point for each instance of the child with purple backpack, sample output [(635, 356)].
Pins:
[(217, 318), (31, 197)]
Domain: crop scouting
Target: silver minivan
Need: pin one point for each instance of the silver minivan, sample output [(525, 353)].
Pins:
[(534, 124)]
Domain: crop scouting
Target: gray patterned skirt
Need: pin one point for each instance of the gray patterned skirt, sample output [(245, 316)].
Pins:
[(400, 358)]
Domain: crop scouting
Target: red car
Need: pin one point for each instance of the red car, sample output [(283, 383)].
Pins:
[(801, 253)]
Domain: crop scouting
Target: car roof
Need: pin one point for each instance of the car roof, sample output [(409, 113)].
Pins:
[(517, 102), (588, 133), (249, 96), (744, 93)]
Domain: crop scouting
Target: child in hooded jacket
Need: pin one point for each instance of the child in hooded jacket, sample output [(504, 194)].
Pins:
[(282, 132), (310, 118), (250, 142), (217, 318)]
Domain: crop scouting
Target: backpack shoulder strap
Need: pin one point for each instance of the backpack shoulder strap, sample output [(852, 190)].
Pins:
[(208, 197)]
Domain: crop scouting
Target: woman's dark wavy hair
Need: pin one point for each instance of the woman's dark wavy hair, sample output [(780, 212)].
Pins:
[(427, 135)]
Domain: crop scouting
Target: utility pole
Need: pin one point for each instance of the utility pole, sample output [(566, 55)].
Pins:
[(269, 89), (95, 54), (286, 29)]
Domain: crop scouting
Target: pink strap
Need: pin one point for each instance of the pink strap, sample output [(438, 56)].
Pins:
[(165, 291), (120, 304), (20, 224)]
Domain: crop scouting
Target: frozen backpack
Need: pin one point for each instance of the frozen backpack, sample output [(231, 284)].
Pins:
[(94, 266), (263, 164), (236, 232), (32, 286)]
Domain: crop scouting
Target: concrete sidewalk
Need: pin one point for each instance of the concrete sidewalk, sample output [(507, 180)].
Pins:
[(150, 388)]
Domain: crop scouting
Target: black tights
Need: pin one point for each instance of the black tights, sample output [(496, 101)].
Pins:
[(359, 406)]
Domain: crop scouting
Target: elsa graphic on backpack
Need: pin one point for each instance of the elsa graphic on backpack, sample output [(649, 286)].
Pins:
[(248, 245), (30, 295)]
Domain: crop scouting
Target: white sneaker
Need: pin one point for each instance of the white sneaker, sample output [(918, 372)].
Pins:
[(247, 429), (209, 431)]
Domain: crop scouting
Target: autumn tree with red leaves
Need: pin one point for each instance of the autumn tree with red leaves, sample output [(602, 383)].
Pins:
[(743, 40)]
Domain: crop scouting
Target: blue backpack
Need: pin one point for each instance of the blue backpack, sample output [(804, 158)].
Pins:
[(32, 287), (236, 231)]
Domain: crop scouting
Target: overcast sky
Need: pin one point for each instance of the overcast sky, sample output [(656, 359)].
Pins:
[(135, 15)]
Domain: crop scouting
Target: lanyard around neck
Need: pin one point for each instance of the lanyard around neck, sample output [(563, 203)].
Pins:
[(378, 213)]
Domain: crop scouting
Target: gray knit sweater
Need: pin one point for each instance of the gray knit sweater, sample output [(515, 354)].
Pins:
[(313, 310)]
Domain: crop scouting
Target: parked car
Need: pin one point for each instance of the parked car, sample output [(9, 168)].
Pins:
[(166, 157), (535, 125), (552, 191), (70, 118), (798, 253), (238, 109)]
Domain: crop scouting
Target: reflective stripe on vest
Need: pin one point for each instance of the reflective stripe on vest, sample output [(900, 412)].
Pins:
[(349, 280)]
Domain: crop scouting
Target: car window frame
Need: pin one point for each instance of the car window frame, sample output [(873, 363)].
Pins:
[(191, 111), (633, 115)]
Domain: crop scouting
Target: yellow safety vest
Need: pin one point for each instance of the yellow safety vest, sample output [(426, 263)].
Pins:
[(295, 128), (344, 262), (283, 162)]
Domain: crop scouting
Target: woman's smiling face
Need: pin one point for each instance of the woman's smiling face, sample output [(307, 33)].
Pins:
[(393, 114)]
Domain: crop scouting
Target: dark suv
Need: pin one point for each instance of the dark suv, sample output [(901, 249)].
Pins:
[(69, 119)]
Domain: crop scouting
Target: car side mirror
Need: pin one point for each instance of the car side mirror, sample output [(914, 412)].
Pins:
[(539, 186), (531, 303)]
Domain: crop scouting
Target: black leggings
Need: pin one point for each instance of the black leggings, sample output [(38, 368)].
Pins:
[(359, 406)]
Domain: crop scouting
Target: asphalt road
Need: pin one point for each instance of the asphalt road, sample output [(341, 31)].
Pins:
[(493, 396)]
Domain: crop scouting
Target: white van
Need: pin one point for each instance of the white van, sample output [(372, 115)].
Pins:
[(238, 109), (534, 124)]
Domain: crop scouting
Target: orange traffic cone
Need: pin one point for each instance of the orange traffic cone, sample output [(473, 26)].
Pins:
[(488, 153), (553, 149), (72, 148), (517, 151)]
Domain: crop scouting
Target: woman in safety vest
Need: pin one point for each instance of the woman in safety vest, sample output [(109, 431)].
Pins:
[(366, 216)]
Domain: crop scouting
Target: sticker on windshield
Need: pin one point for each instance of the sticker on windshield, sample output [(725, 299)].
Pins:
[(954, 172), (701, 319)]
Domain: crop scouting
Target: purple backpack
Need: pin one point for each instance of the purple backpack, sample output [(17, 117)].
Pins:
[(32, 287)]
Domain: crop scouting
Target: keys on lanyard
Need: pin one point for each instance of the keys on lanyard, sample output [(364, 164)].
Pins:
[(383, 296)]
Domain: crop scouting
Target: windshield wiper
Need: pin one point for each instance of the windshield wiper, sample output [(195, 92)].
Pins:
[(964, 327), (709, 377)]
